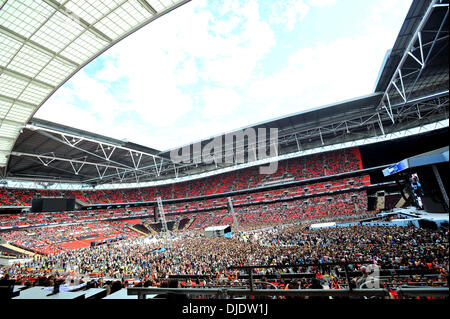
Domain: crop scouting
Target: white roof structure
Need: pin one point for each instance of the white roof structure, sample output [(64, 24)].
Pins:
[(45, 42), (215, 228)]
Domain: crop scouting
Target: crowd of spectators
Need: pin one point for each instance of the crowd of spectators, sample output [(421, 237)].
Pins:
[(150, 262), (51, 240), (32, 219), (273, 231), (350, 204)]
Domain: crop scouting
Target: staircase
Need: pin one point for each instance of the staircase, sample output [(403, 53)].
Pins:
[(191, 220), (231, 211), (183, 222), (162, 215), (175, 226), (401, 201), (380, 202), (85, 197), (137, 230), (19, 250), (150, 229), (80, 203)]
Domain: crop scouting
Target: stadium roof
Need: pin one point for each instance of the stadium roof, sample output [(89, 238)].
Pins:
[(314, 118), (44, 42), (417, 64), (70, 154), (411, 93)]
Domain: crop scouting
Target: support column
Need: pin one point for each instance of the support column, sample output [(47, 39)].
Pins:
[(162, 215), (231, 210), (441, 185)]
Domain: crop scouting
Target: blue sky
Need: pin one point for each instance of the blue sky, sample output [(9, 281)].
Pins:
[(213, 66)]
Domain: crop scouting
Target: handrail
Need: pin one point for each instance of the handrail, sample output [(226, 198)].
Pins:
[(423, 292), (345, 263), (224, 293), (335, 263)]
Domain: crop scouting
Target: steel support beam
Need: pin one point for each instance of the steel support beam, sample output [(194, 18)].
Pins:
[(409, 53), (441, 185), (37, 46), (26, 78), (43, 158), (62, 9), (147, 6)]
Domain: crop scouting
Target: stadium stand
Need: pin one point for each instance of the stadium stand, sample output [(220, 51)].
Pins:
[(51, 240), (318, 165), (276, 237)]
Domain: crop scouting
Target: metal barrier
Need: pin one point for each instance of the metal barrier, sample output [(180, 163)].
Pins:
[(226, 293), (344, 264), (423, 292)]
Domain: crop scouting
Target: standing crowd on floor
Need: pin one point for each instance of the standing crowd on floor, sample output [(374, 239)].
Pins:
[(210, 261)]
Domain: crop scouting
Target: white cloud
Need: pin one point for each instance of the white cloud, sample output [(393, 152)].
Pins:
[(187, 73), (109, 73), (325, 73), (180, 49), (61, 109), (231, 59), (199, 63), (321, 3), (84, 91), (219, 102), (289, 12)]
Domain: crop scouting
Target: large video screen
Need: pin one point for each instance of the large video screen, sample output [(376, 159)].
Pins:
[(400, 166), (417, 190)]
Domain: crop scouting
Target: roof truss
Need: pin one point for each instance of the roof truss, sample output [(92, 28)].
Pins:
[(45, 42), (415, 59)]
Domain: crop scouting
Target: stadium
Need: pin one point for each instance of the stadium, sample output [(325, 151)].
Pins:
[(356, 208)]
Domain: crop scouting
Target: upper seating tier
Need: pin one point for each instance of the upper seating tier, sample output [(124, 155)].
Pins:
[(295, 169)]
